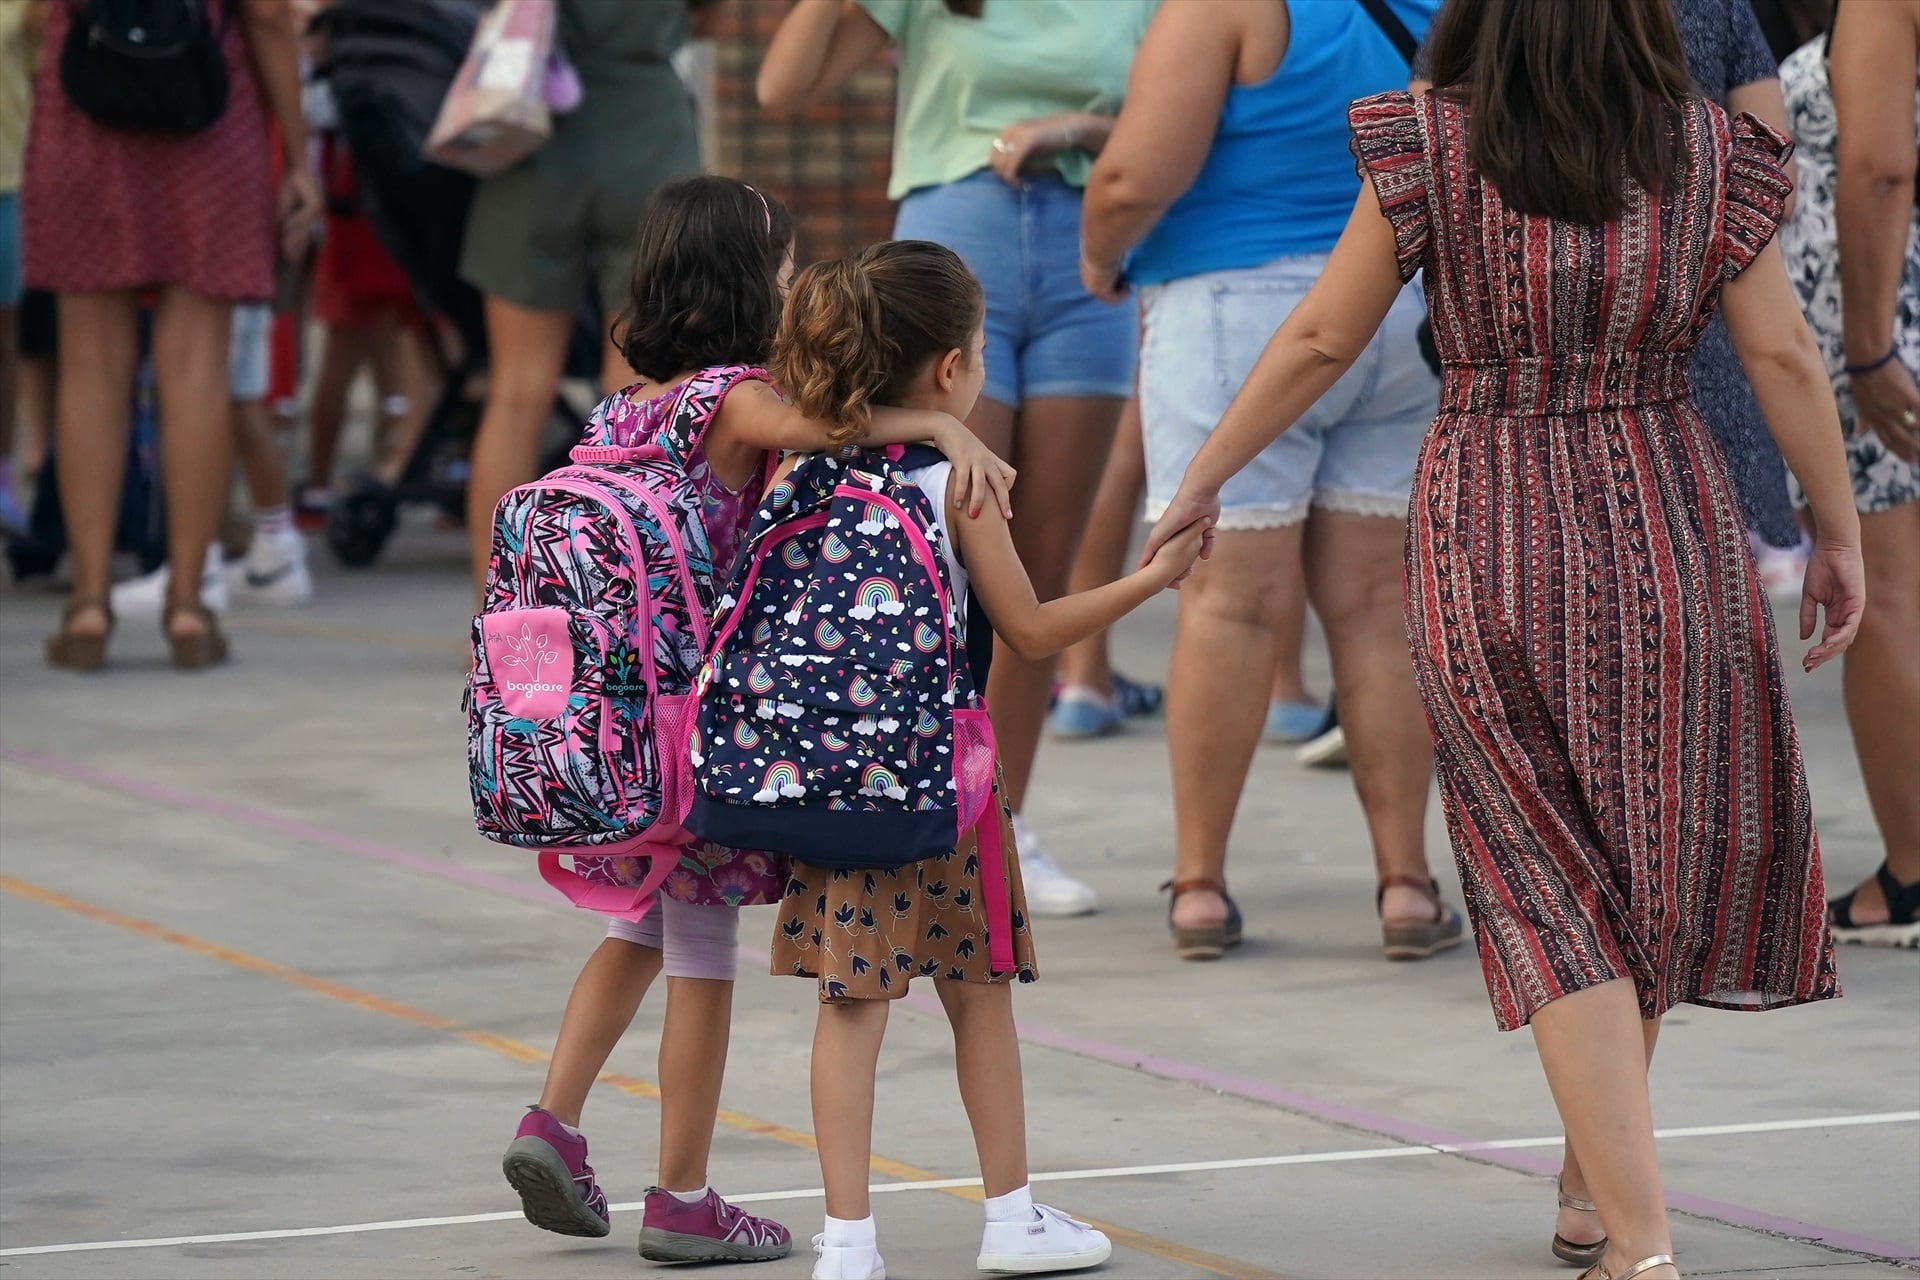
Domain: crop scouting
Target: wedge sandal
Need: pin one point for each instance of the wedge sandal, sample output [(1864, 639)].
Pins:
[(1413, 939), (1204, 942), (80, 653)]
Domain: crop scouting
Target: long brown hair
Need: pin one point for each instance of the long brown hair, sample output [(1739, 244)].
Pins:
[(857, 330), (1565, 96)]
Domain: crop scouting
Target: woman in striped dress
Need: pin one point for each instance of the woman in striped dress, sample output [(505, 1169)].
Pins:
[(1620, 772)]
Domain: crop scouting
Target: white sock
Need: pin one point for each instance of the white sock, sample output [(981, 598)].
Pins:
[(570, 1130), (688, 1197), (851, 1233), (1015, 1206), (273, 522)]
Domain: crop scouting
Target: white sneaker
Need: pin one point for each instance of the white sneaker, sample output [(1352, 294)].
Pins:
[(145, 596), (853, 1262), (1328, 751), (274, 572), (1050, 891), (1051, 1242)]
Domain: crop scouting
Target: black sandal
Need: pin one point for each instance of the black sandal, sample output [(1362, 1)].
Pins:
[(1901, 928), (1207, 941)]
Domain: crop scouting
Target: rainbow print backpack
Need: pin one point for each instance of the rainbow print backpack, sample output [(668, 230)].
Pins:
[(840, 721), (591, 633)]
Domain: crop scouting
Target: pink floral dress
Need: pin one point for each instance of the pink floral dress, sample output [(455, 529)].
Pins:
[(709, 874)]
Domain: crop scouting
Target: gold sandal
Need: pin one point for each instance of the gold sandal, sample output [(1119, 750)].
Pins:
[(1599, 1269), (191, 653), (80, 653), (1207, 941), (1581, 1255)]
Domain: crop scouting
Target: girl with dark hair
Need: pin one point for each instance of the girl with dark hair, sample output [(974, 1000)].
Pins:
[(709, 270), (1621, 775), (901, 324)]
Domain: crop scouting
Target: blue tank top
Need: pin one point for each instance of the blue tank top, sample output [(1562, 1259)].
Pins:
[(1279, 179)]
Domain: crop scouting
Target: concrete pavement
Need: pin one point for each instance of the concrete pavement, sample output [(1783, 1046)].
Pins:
[(258, 978)]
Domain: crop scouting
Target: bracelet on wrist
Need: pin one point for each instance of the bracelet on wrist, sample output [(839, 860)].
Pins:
[(1872, 365)]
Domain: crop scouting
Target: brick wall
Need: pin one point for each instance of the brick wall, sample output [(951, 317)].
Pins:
[(828, 163)]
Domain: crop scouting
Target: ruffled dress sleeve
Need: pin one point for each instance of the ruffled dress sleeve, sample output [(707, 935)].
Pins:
[(1758, 185), (1391, 148)]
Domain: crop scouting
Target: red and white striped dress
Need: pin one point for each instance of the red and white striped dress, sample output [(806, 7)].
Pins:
[(1620, 770)]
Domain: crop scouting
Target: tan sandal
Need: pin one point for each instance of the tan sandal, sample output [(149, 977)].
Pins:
[(1208, 941), (1418, 939), (191, 653), (1580, 1255), (1599, 1269), (80, 653)]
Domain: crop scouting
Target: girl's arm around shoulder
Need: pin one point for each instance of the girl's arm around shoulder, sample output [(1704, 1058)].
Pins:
[(1034, 629), (753, 420)]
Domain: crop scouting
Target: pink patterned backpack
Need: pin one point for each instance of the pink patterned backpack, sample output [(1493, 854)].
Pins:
[(591, 634)]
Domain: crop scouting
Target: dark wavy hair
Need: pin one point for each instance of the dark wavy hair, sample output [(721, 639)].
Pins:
[(857, 330), (1565, 96), (705, 286)]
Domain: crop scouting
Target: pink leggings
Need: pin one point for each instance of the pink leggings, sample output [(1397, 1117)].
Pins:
[(698, 942)]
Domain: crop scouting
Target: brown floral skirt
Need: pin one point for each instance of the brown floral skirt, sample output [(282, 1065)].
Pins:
[(865, 934)]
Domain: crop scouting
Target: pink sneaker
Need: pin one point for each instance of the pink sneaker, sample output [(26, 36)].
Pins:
[(709, 1230), (548, 1167)]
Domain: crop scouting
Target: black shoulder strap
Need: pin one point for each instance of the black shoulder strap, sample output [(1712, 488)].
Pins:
[(1392, 28)]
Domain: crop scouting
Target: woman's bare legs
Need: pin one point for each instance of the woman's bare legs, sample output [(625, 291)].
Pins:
[(99, 348), (528, 351), (191, 335), (986, 1057), (342, 352), (1103, 551), (1355, 580), (261, 457), (693, 1061), (1224, 646), (600, 1008), (1882, 683), (1593, 1046), (1577, 1226), (1289, 648), (846, 1054), (1058, 446)]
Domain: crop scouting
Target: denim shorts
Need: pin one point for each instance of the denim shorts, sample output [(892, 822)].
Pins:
[(249, 351), (1354, 450), (1046, 335)]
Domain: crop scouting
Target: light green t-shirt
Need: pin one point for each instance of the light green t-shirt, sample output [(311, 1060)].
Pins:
[(963, 80)]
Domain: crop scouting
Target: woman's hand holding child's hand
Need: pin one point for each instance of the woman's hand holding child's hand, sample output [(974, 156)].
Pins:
[(1175, 557), (979, 476)]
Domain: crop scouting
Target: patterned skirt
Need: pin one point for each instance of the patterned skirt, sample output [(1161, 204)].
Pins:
[(1621, 776), (864, 935)]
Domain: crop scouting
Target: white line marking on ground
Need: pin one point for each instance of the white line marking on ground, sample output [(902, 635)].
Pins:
[(945, 1184)]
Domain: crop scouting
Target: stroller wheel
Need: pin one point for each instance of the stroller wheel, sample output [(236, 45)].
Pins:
[(359, 525)]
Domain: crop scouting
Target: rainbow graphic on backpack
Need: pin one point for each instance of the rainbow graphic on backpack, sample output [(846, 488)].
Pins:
[(814, 737)]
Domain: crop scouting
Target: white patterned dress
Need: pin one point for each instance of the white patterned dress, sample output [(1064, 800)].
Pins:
[(1881, 481)]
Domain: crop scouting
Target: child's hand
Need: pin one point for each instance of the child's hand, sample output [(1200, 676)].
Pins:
[(1174, 558), (979, 476)]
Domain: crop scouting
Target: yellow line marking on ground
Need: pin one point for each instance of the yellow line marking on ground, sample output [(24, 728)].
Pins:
[(521, 1051)]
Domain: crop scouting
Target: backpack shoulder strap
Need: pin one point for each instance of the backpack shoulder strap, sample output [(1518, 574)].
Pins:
[(699, 404), (1392, 28)]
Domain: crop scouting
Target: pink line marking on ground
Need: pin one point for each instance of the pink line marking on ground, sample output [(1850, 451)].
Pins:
[(1325, 1110)]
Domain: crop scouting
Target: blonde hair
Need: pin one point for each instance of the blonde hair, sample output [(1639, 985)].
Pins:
[(857, 330)]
